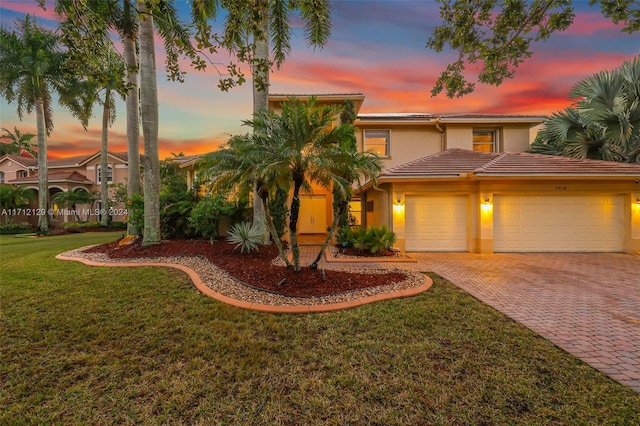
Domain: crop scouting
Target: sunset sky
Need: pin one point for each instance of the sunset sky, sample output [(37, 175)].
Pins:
[(377, 48)]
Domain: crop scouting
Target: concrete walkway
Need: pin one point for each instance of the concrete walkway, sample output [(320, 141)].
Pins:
[(587, 304)]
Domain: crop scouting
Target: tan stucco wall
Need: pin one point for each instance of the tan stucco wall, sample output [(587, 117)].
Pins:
[(11, 168), (458, 136), (515, 138), (407, 142)]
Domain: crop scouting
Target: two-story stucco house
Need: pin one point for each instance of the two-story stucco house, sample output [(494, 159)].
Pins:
[(79, 173), (462, 182)]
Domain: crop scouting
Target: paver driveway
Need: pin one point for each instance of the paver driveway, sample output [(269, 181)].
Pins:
[(588, 304)]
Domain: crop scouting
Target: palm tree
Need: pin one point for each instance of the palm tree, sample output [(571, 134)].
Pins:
[(149, 114), (14, 197), (250, 28), (604, 123), (88, 23), (19, 142), (70, 199), (238, 166), (31, 69), (304, 149), (111, 81)]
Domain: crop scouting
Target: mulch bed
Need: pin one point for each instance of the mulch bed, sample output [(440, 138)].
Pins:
[(256, 269)]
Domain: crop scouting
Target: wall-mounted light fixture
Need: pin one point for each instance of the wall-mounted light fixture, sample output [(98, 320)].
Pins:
[(486, 204), (398, 203)]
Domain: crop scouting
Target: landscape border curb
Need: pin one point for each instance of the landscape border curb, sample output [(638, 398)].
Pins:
[(299, 309)]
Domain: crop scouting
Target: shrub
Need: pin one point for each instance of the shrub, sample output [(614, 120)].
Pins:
[(135, 210), (374, 239), (346, 236), (205, 214), (81, 224), (174, 216), (14, 228), (245, 236)]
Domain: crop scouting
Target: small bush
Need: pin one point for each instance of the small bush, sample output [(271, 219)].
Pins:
[(14, 228), (346, 236), (374, 239), (135, 211), (245, 236), (81, 224), (204, 216)]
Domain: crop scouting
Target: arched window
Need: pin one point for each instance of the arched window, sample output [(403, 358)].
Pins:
[(22, 173), (1, 177), (99, 175)]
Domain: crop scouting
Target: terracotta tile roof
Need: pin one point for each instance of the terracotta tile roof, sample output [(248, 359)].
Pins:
[(26, 161), (456, 162), (451, 162), (490, 116), (278, 95), (397, 116), (522, 163), (80, 159), (55, 177), (68, 161)]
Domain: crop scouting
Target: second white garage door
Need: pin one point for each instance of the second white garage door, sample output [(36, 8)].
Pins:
[(543, 223), (436, 223)]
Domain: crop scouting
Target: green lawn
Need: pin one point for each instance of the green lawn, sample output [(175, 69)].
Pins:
[(82, 345)]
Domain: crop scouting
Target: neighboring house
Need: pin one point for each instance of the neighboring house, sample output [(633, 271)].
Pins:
[(79, 173)]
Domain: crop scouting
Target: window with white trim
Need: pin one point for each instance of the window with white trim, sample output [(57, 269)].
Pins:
[(22, 173), (1, 177), (99, 175), (377, 141), (485, 140)]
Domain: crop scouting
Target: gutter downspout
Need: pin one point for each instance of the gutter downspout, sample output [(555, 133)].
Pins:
[(442, 141)]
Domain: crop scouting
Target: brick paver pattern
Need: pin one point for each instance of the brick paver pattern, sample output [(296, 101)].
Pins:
[(587, 304)]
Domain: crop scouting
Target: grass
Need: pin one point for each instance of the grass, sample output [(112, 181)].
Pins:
[(82, 345)]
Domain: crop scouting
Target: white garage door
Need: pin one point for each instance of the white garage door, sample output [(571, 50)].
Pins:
[(572, 223), (436, 223)]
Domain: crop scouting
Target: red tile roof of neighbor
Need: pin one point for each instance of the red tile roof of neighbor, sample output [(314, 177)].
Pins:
[(27, 161), (455, 162), (80, 159), (55, 177)]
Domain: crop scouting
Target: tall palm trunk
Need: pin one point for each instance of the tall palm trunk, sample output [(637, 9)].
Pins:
[(43, 182), (261, 102), (104, 166), (149, 111), (133, 114)]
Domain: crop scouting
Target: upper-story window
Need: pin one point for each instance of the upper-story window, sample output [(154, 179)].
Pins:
[(377, 141), (99, 175), (485, 140), (22, 173), (1, 177)]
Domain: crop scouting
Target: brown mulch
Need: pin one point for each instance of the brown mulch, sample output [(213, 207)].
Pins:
[(256, 269)]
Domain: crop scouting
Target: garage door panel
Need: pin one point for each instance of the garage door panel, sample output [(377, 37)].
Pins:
[(436, 223), (573, 223)]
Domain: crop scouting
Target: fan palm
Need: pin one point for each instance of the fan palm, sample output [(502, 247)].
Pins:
[(604, 123), (31, 70)]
